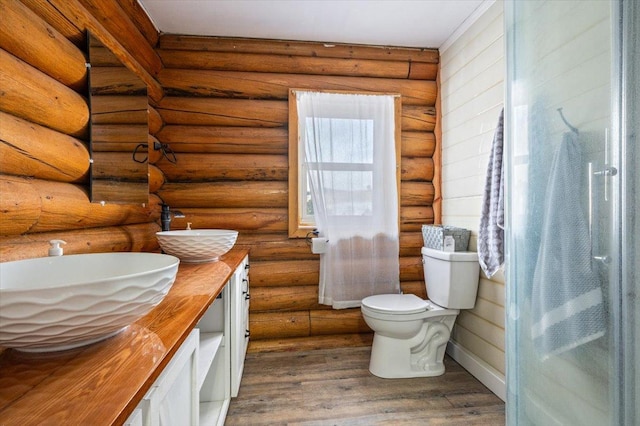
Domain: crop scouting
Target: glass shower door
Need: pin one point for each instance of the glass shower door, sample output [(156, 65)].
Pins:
[(570, 261)]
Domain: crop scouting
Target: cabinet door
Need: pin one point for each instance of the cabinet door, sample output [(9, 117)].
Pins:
[(173, 399)]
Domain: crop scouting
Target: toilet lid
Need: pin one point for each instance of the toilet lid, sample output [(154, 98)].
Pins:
[(399, 303)]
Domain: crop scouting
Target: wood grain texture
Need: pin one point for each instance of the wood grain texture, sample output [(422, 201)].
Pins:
[(58, 20), (244, 85), (28, 149), (297, 48), (44, 47), (33, 205), (86, 20), (223, 112), (205, 167), (334, 387), (140, 237), (269, 63), (116, 21), (34, 96), (225, 140), (139, 17), (228, 194), (105, 381)]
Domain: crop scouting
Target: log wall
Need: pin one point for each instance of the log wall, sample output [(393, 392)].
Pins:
[(225, 115), (221, 105), (44, 118)]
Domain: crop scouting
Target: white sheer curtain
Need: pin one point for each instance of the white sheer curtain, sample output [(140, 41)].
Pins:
[(349, 157)]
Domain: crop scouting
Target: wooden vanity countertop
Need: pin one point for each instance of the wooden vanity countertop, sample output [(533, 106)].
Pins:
[(101, 384)]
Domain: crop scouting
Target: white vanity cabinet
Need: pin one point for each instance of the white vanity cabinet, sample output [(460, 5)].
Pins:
[(197, 385), (240, 298), (224, 330)]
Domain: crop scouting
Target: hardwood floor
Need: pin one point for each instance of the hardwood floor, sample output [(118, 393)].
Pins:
[(335, 387)]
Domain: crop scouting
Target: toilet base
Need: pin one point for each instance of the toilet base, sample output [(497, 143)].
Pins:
[(419, 356)]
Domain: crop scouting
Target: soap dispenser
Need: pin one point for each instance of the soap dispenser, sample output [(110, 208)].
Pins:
[(55, 249)]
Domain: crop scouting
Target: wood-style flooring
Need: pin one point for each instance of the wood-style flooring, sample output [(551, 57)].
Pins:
[(335, 387)]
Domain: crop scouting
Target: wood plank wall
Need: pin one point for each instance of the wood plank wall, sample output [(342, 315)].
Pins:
[(44, 116), (225, 115)]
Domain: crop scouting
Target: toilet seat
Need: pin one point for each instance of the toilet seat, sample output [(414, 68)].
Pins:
[(402, 307), (399, 304)]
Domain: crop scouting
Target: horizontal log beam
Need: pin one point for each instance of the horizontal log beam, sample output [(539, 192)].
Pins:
[(32, 205), (118, 137), (137, 238), (416, 194), (156, 179), (279, 324), (56, 19), (119, 166), (285, 273), (280, 299), (418, 144), (310, 343), (28, 149), (269, 63), (239, 219), (120, 110), (44, 48), (225, 140), (117, 80), (418, 118), (228, 194), (411, 269), (414, 287), (282, 47), (220, 167), (19, 204), (155, 120), (413, 217), (276, 246), (337, 321), (416, 169), (34, 96), (253, 85), (223, 112)]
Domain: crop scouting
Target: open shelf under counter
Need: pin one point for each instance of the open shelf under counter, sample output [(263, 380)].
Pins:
[(210, 344)]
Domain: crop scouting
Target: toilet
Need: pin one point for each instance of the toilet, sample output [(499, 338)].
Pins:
[(411, 334)]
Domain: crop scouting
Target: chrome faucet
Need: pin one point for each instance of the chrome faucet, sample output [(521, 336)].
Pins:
[(166, 216)]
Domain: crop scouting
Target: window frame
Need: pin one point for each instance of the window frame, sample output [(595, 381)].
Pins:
[(298, 228)]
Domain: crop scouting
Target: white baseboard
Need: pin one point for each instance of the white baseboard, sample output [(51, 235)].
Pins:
[(487, 375)]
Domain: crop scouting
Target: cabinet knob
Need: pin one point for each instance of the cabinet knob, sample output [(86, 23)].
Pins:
[(246, 267), (247, 296), (247, 333)]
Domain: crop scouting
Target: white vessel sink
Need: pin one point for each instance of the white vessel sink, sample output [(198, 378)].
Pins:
[(58, 303), (197, 245)]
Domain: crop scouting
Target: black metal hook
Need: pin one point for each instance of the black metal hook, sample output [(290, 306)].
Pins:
[(135, 153), (167, 152)]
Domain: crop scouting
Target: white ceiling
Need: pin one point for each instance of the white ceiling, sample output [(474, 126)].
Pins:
[(407, 23)]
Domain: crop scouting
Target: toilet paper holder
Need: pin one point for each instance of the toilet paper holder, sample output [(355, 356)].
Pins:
[(318, 244)]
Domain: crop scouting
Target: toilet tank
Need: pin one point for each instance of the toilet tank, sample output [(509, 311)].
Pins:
[(451, 277)]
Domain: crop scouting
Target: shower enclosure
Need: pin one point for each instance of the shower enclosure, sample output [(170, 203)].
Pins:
[(571, 120)]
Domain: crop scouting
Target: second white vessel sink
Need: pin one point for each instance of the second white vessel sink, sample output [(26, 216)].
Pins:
[(197, 245), (62, 302)]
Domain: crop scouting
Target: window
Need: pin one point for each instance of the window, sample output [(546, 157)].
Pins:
[(342, 156)]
